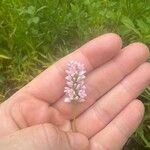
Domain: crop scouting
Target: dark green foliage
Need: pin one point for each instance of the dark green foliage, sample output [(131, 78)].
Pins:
[(35, 33)]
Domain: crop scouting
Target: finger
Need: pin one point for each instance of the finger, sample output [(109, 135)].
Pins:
[(44, 137), (117, 132), (27, 111), (106, 108), (105, 77), (49, 85)]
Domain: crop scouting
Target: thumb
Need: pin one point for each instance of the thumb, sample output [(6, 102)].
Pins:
[(44, 137)]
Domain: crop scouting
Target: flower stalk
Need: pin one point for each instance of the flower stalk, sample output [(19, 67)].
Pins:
[(75, 89)]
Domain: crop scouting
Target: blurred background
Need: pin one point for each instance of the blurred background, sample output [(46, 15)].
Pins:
[(35, 33)]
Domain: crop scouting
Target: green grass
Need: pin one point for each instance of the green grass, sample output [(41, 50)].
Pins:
[(34, 34)]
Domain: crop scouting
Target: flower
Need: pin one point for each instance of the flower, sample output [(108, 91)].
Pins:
[(75, 89)]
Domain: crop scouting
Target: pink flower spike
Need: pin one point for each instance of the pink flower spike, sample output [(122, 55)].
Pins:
[(75, 85)]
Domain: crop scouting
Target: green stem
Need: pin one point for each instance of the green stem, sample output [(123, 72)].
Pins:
[(73, 125)]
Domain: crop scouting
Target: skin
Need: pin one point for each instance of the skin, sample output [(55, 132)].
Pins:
[(37, 118)]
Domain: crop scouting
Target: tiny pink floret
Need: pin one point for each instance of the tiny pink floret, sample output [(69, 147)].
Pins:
[(75, 89)]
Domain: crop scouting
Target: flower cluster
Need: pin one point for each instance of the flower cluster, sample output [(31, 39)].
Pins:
[(75, 86)]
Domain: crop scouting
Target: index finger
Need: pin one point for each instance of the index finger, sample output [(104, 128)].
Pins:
[(49, 85)]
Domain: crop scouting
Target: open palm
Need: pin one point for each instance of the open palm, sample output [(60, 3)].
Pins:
[(110, 114)]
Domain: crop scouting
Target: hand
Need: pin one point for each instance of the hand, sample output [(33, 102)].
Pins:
[(36, 117)]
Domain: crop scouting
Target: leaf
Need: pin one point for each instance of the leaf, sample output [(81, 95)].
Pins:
[(30, 10), (127, 22), (141, 134), (130, 25), (87, 2), (33, 20), (4, 57), (41, 8), (143, 26)]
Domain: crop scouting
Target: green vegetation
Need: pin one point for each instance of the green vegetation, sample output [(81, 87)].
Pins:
[(34, 33)]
